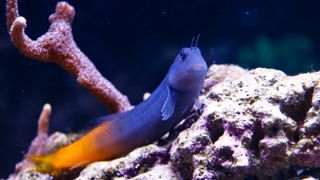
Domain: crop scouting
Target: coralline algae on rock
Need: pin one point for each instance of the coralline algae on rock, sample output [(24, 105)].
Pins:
[(253, 124)]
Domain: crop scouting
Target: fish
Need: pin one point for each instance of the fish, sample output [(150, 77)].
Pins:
[(118, 134)]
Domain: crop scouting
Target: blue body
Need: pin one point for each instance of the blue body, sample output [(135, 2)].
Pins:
[(163, 110)]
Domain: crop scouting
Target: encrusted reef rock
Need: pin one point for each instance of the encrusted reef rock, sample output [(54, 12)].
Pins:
[(263, 122), (136, 162), (255, 124)]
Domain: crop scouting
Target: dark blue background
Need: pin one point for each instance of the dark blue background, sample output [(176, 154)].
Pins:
[(133, 43)]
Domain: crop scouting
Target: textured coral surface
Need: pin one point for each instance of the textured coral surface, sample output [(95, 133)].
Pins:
[(253, 124)]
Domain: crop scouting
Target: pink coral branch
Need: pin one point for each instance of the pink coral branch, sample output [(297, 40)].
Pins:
[(12, 12), (39, 143), (57, 45)]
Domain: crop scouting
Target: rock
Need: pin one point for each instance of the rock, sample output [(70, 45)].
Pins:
[(28, 174), (138, 161), (219, 73), (253, 124), (159, 172)]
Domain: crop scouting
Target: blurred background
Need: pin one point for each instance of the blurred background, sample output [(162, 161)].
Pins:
[(133, 43)]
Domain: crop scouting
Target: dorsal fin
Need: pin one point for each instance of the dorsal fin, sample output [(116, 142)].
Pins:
[(97, 121)]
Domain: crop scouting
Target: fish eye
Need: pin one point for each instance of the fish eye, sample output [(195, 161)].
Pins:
[(182, 56)]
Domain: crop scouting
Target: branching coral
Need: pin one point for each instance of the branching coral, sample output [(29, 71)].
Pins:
[(57, 45), (39, 143), (42, 136)]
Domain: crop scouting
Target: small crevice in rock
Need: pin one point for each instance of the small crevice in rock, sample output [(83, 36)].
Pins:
[(296, 134), (184, 164), (216, 129), (215, 97), (273, 131), (296, 111), (258, 134), (226, 154)]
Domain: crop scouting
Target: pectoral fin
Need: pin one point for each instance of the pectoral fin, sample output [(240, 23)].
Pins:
[(169, 105), (197, 105)]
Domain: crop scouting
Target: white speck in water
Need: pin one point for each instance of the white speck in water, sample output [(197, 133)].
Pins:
[(250, 17)]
